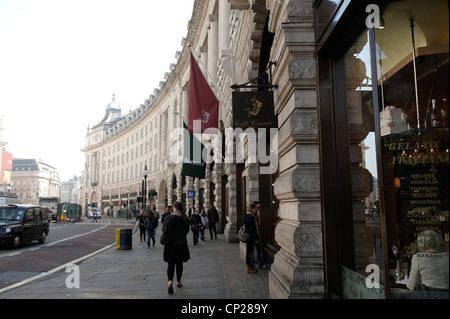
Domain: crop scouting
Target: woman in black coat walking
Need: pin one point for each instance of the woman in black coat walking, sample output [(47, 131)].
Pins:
[(141, 219), (196, 224), (176, 251)]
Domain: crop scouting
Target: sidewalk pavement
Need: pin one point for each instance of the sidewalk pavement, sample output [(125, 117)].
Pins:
[(215, 271)]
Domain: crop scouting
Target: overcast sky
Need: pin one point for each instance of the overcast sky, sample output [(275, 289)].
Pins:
[(62, 60)]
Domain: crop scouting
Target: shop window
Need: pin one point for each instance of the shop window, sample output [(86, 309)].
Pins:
[(399, 152), (367, 222), (413, 79)]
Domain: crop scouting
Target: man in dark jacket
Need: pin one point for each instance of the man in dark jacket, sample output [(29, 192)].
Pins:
[(151, 223), (165, 214), (213, 217)]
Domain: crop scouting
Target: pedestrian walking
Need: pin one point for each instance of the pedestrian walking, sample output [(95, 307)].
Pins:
[(151, 223), (94, 216), (165, 214), (196, 224), (205, 222), (213, 217), (156, 215), (251, 229), (140, 220), (176, 251), (258, 243), (191, 211)]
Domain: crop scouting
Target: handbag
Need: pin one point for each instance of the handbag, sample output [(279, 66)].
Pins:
[(164, 239), (242, 235)]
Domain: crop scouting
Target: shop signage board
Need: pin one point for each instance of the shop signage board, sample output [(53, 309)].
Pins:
[(254, 110)]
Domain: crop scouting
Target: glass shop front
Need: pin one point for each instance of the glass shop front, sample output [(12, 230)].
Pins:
[(395, 124)]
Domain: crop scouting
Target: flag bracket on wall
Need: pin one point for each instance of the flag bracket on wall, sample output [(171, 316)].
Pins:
[(262, 83), (264, 80)]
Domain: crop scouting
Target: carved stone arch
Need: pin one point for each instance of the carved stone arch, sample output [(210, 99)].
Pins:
[(94, 199)]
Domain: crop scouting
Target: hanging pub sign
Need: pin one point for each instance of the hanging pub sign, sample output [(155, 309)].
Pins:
[(254, 109)]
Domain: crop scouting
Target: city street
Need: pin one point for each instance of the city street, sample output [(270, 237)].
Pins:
[(216, 270), (65, 243)]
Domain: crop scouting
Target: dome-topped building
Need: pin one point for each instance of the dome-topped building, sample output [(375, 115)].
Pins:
[(113, 113), (112, 116)]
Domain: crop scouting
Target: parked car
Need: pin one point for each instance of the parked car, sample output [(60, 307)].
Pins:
[(22, 223)]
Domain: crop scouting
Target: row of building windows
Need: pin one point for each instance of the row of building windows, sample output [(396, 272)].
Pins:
[(129, 155), (150, 144), (135, 137), (131, 172)]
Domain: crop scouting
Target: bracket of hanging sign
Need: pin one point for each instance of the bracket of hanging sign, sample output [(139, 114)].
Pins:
[(260, 78)]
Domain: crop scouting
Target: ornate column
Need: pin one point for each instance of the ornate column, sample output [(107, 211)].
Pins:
[(224, 27), (231, 226), (170, 192), (189, 187), (213, 48), (179, 190), (197, 184), (207, 191), (164, 139), (252, 172), (298, 269), (185, 104), (217, 180)]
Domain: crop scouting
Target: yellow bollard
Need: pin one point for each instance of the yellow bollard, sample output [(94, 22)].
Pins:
[(123, 239)]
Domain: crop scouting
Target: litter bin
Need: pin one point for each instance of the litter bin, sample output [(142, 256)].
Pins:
[(123, 239)]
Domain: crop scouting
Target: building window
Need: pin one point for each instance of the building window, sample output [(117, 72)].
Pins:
[(367, 239), (398, 152), (413, 100)]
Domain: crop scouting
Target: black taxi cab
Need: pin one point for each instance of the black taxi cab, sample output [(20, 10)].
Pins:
[(22, 223)]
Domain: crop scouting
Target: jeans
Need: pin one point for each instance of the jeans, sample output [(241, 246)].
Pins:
[(150, 234), (259, 252), (202, 233)]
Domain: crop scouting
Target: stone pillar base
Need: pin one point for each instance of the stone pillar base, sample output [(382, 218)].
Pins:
[(290, 278), (230, 233)]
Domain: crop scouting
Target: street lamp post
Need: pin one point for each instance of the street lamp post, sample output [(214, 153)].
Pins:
[(145, 187), (128, 203)]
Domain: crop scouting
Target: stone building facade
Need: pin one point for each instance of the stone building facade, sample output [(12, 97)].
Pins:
[(227, 36), (314, 229), (32, 179)]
